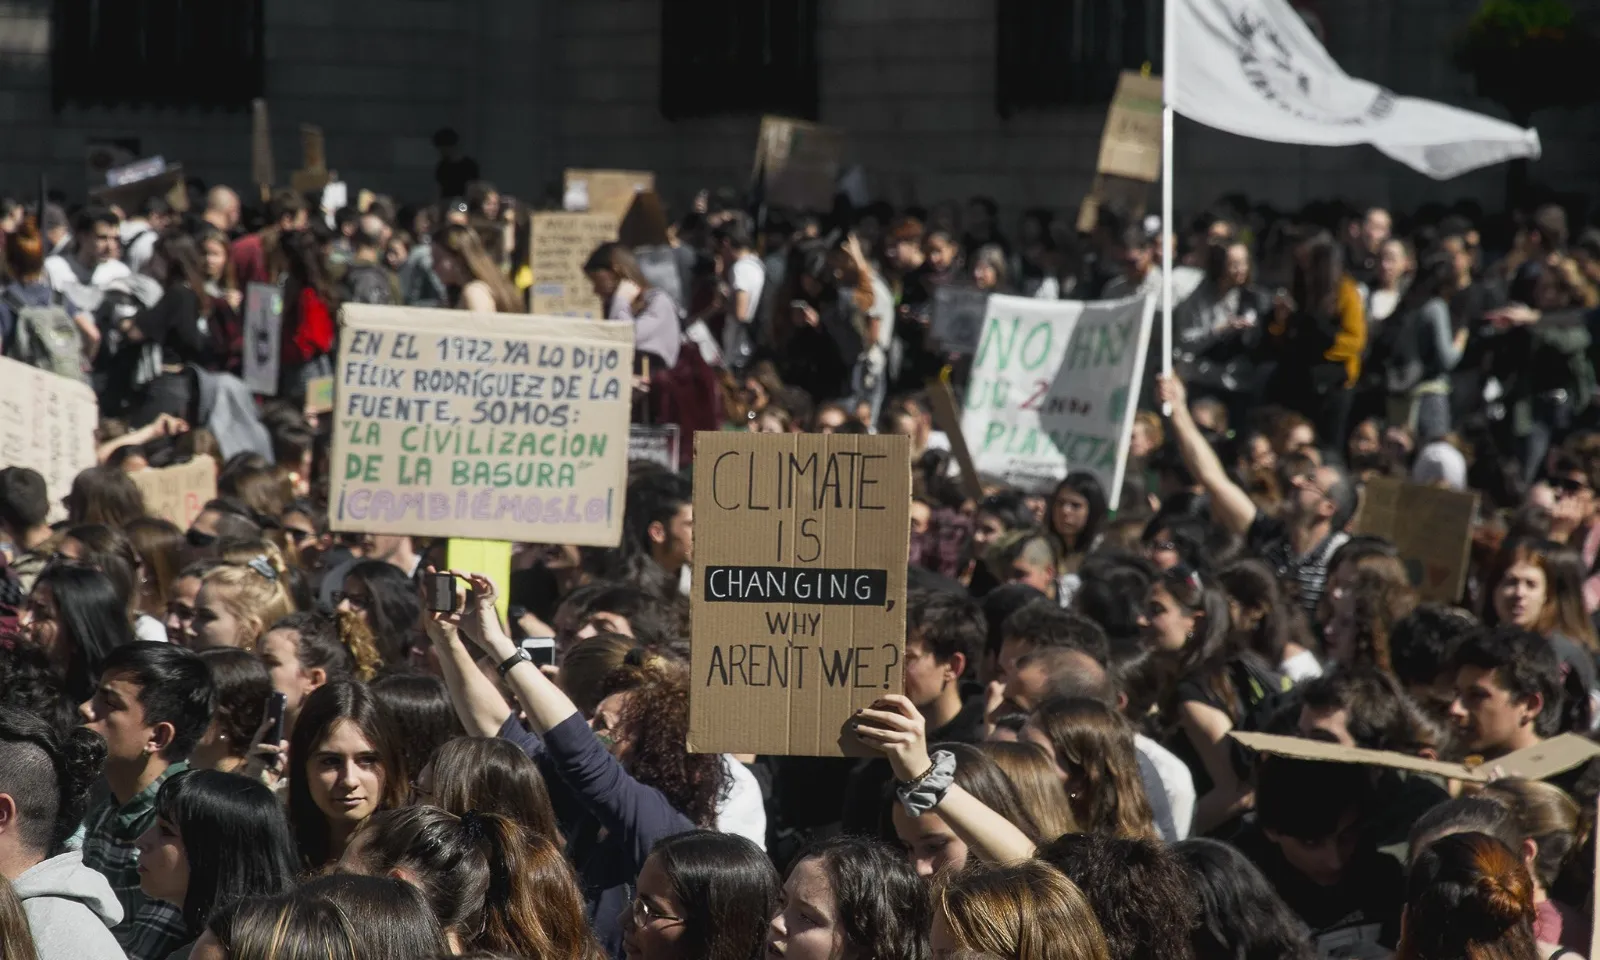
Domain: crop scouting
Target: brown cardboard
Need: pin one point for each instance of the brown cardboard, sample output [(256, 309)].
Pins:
[(1130, 146), (560, 244), (800, 162), (611, 191), (178, 493), (480, 425), (313, 152), (1553, 756), (1432, 528), (645, 222), (130, 197), (947, 417), (261, 170), (47, 424), (781, 676), (1129, 199)]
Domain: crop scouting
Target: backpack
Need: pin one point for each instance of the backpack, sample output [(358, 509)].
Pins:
[(46, 337), (367, 283)]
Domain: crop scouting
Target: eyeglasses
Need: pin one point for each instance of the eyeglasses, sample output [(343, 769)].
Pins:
[(1568, 486), (644, 913), (298, 535), (357, 601), (1160, 546)]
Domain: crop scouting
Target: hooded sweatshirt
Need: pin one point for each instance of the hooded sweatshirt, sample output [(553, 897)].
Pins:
[(71, 910)]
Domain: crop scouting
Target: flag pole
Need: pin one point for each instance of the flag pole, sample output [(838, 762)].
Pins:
[(1169, 61)]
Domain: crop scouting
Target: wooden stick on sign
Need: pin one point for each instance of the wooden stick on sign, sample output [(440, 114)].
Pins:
[(947, 417)]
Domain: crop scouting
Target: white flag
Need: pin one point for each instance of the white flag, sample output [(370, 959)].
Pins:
[(1253, 67)]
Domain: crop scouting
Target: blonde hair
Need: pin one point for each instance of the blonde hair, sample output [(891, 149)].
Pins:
[(255, 590), (357, 637), (1027, 910), (1030, 771), (463, 244), (1546, 815)]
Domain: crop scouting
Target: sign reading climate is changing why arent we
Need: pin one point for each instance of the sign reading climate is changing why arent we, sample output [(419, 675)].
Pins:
[(1054, 387), (799, 589), (481, 425)]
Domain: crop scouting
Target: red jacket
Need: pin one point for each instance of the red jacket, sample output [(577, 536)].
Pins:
[(312, 336)]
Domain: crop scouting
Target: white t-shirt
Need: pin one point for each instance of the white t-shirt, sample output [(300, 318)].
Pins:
[(1169, 786), (148, 628), (742, 811), (83, 287), (750, 277), (138, 242), (1301, 667)]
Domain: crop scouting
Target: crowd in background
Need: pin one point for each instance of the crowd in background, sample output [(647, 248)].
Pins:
[(1057, 779)]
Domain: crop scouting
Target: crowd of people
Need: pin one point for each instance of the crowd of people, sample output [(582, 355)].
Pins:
[(254, 738)]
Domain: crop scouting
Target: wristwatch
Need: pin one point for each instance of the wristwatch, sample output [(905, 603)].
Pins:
[(521, 656)]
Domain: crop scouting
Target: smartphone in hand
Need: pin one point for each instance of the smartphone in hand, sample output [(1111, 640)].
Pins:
[(277, 704), (541, 650), (441, 592)]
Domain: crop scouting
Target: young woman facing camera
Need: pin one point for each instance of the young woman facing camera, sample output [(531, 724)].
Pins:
[(342, 769)]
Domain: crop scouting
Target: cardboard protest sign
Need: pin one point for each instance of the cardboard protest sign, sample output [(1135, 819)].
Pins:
[(947, 417), (47, 424), (657, 444), (1130, 151), (1432, 528), (560, 244), (798, 163), (1054, 387), (958, 315), (799, 589), (313, 152), (480, 425), (178, 493), (1547, 759), (645, 222), (263, 337), (607, 191), (261, 168)]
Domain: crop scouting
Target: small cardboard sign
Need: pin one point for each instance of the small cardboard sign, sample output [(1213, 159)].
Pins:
[(654, 444), (607, 191), (799, 163), (263, 337), (47, 423), (130, 197), (1547, 759), (560, 244), (480, 425), (1130, 146), (178, 493), (1432, 529), (958, 314), (319, 395), (261, 167), (798, 602), (313, 152)]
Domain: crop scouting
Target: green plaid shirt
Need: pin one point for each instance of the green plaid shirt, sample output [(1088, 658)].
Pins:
[(150, 929)]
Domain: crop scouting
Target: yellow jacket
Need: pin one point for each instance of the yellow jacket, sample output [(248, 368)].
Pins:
[(1351, 340)]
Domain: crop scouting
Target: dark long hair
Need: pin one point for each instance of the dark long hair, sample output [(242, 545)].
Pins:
[(394, 612), (1241, 916), (482, 878), (728, 889), (1208, 655), (418, 713), (1435, 278), (1469, 897), (327, 705), (883, 907), (1094, 744), (1318, 274), (235, 838), (386, 918), (304, 264), (185, 264), (91, 619), (494, 776), (656, 717), (1250, 583), (243, 686), (1086, 486), (104, 495)]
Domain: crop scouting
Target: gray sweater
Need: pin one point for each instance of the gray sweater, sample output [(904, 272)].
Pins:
[(71, 910)]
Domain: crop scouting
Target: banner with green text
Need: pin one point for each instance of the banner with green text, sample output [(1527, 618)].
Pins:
[(1054, 387), (481, 425)]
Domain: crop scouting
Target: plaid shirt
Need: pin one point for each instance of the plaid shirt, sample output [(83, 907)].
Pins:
[(150, 929)]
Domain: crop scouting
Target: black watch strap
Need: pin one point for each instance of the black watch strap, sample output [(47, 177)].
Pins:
[(521, 656)]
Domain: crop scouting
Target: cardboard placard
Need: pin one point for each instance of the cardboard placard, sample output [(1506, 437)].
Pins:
[(130, 197), (1129, 199), (560, 244), (313, 154), (1432, 529), (263, 337), (798, 602), (1554, 756), (798, 162), (47, 424), (958, 315), (261, 167), (1054, 387), (1130, 146), (308, 181), (178, 493), (319, 395), (135, 171), (481, 425), (645, 222), (654, 444), (947, 417), (607, 191)]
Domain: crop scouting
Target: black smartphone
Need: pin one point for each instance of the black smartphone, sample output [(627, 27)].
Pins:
[(276, 704), (541, 650), (441, 591)]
